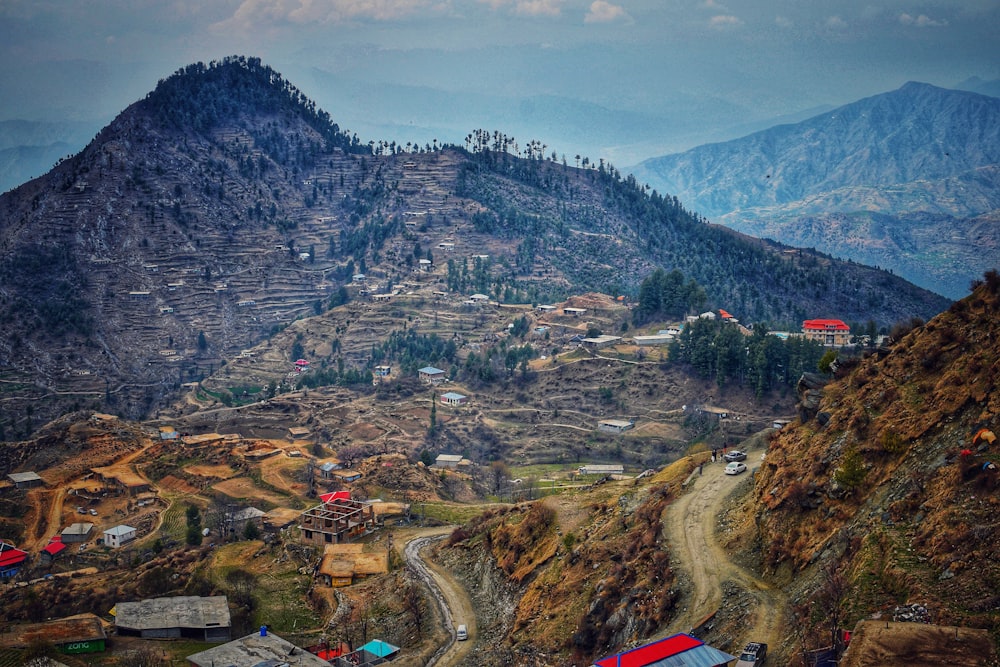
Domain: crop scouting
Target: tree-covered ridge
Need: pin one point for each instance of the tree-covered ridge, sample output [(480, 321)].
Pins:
[(573, 218), (201, 97)]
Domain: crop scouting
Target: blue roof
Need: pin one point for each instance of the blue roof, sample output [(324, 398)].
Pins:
[(379, 648), (453, 396), (680, 650), (430, 370)]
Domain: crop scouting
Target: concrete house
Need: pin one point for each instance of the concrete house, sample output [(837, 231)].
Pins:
[(337, 520), (119, 536), (256, 650), (601, 469), (26, 480), (829, 333), (431, 375), (615, 425), (78, 532), (454, 399), (450, 461)]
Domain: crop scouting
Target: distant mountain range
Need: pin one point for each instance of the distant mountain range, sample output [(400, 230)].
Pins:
[(907, 180)]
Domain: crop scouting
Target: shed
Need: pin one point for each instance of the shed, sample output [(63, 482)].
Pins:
[(202, 618), (83, 633), (298, 432), (26, 480), (680, 650), (346, 475), (326, 468), (602, 341), (119, 535)]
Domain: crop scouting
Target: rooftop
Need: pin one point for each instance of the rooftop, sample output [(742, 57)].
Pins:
[(176, 612), (80, 628), (254, 650)]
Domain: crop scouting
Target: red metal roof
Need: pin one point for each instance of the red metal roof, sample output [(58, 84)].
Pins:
[(826, 325), (650, 653), (724, 315), (335, 495), (11, 556), (53, 548)]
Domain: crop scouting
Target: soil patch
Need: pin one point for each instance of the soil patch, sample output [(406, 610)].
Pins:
[(244, 489)]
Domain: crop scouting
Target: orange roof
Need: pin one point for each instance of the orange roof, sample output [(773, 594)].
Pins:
[(724, 315), (825, 325)]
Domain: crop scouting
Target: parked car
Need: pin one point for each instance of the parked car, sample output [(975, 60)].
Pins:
[(753, 655), (735, 468), (735, 455), (462, 634)]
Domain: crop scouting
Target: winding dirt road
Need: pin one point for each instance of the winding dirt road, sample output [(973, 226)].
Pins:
[(690, 524), (450, 597)]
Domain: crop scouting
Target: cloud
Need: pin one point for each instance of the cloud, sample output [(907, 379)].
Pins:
[(835, 23), (604, 12), (527, 7), (724, 21), (922, 21), (256, 13)]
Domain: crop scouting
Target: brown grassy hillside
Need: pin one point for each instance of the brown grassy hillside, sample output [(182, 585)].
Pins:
[(894, 497)]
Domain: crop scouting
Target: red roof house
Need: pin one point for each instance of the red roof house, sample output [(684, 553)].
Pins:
[(11, 559), (831, 333), (680, 650), (52, 549), (335, 495)]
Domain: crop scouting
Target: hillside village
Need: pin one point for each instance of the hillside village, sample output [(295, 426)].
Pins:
[(350, 405)]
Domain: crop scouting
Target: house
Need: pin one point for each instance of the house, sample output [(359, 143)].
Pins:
[(453, 398), (298, 432), (122, 479), (674, 651), (236, 522), (119, 535), (255, 650), (26, 480), (381, 298), (615, 425), (829, 333), (574, 312), (479, 298), (191, 617), (346, 476), (78, 532), (601, 469), (544, 308), (169, 433), (431, 375), (343, 564), (540, 330), (11, 560), (51, 550), (600, 342), (358, 278), (83, 633), (450, 461), (336, 520), (726, 317), (382, 371), (326, 468)]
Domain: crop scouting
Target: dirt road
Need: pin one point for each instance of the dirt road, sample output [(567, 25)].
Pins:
[(690, 528), (450, 597)]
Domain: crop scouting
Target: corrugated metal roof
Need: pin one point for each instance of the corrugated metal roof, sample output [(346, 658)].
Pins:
[(680, 650)]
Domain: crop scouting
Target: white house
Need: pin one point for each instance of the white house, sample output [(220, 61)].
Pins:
[(615, 425), (431, 374), (454, 398), (118, 536)]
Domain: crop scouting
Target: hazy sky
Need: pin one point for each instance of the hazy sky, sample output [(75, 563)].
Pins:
[(681, 65)]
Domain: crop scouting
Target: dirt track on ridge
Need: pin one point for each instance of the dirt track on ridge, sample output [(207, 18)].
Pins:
[(690, 525)]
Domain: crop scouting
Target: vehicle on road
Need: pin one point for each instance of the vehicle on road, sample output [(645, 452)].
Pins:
[(462, 633), (735, 455), (753, 655), (735, 468)]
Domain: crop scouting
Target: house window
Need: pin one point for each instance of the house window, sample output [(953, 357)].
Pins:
[(309, 534)]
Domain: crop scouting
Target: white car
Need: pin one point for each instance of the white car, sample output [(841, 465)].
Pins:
[(735, 468)]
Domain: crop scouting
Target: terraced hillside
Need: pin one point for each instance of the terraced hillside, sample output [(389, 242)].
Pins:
[(224, 206)]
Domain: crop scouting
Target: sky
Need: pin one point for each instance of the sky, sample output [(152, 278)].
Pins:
[(622, 79)]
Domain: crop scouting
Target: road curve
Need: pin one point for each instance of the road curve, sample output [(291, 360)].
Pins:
[(450, 598), (690, 524)]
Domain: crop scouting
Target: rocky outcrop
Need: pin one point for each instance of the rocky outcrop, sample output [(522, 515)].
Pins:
[(810, 390)]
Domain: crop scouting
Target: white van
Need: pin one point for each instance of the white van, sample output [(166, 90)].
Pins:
[(462, 633)]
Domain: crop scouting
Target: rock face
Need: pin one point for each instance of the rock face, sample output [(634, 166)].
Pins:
[(810, 391), (889, 181)]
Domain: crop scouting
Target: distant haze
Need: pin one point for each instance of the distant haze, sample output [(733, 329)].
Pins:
[(607, 79)]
